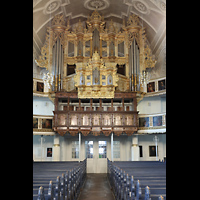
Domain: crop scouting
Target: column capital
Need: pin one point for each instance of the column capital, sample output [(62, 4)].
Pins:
[(56, 145), (134, 145)]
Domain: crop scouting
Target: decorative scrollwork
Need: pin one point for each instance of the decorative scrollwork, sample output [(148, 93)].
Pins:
[(133, 20), (94, 4), (58, 20)]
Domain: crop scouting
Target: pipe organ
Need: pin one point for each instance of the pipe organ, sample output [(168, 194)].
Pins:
[(96, 59), (57, 65)]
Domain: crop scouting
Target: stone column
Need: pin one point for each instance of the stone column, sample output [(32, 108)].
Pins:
[(134, 148), (79, 147), (56, 148), (112, 147)]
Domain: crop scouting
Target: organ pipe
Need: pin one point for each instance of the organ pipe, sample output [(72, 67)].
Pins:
[(57, 65), (134, 61), (95, 42), (53, 68), (60, 61), (134, 52), (138, 68), (131, 66)]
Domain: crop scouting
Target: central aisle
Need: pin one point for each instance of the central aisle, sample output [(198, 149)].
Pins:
[(96, 187)]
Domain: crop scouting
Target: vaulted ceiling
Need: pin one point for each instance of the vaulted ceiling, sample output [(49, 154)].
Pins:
[(152, 15)]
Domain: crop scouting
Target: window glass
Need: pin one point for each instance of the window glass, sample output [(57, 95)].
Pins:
[(75, 149), (102, 149), (116, 149), (89, 149)]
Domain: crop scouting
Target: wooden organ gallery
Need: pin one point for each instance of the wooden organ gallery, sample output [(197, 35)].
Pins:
[(96, 74)]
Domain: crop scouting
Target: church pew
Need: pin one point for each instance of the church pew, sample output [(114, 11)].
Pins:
[(149, 173), (66, 187), (45, 171)]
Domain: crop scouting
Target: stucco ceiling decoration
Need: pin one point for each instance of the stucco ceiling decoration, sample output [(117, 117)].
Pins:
[(163, 6), (152, 14), (51, 6), (141, 7), (96, 4)]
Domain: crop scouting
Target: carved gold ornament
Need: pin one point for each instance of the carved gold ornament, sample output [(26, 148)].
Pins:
[(102, 78), (78, 48)]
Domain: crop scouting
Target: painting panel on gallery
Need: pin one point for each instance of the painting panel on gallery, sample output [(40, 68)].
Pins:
[(40, 87), (35, 122), (161, 85), (157, 121), (47, 123), (144, 122), (151, 87)]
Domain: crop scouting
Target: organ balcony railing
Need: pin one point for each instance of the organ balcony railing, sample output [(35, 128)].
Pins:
[(95, 116)]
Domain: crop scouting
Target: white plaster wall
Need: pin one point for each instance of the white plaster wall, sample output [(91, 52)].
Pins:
[(163, 104), (150, 105), (125, 147), (47, 143), (147, 140), (66, 147), (42, 106)]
